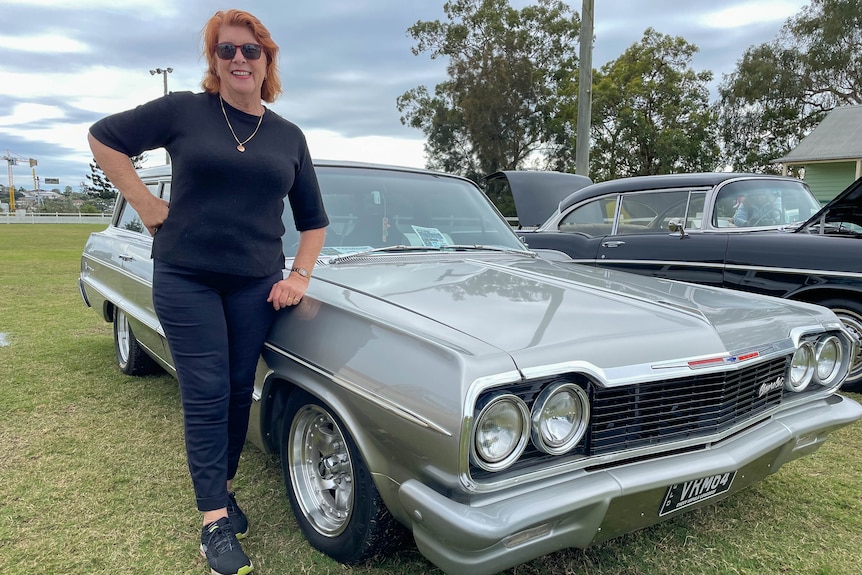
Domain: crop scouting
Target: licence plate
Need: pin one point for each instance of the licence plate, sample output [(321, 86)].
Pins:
[(682, 495)]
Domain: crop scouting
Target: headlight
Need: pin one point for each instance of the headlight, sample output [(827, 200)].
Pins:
[(560, 417), (828, 356), (500, 435), (801, 368)]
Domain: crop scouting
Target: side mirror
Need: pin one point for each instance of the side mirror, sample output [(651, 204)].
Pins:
[(674, 226)]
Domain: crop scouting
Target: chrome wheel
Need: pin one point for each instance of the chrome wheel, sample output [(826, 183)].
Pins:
[(131, 356), (321, 470), (122, 332), (853, 322), (850, 314)]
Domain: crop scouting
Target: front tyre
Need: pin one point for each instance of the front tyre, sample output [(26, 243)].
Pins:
[(131, 357), (850, 314), (331, 492)]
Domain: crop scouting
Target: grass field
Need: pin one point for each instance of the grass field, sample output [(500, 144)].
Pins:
[(93, 476)]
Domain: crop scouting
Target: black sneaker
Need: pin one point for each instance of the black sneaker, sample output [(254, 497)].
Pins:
[(238, 520), (222, 550)]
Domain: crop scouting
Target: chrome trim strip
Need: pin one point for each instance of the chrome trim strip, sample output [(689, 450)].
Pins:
[(112, 266), (794, 271), (374, 398)]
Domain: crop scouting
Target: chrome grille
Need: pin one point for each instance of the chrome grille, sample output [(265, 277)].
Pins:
[(659, 412)]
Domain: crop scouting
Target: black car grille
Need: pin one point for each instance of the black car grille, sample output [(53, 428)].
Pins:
[(660, 412)]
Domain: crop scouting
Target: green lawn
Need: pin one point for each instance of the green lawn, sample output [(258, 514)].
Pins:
[(93, 476)]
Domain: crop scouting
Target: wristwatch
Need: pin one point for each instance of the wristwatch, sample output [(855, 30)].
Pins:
[(301, 271)]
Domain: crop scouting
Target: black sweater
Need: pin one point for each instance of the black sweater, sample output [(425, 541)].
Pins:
[(226, 205)]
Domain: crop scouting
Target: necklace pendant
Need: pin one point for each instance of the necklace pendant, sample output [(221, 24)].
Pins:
[(241, 148)]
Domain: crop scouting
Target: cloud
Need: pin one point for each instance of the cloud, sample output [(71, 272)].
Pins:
[(759, 13), (343, 64)]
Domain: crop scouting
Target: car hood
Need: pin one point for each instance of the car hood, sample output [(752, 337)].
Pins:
[(845, 207), (537, 195), (542, 313)]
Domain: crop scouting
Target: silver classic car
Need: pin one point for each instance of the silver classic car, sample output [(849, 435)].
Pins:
[(442, 381)]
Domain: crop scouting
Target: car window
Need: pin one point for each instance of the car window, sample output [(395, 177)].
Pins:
[(650, 212), (130, 220), (763, 202), (594, 218), (694, 215), (370, 208)]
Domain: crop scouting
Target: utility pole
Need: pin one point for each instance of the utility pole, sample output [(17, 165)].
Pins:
[(585, 90), (10, 161), (33, 164), (164, 72)]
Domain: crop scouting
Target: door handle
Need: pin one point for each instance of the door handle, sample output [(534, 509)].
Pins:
[(126, 258), (613, 244)]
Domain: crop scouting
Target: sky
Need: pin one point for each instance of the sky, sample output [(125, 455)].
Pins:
[(67, 63)]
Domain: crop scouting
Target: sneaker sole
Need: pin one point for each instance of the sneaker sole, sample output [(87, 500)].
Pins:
[(242, 571)]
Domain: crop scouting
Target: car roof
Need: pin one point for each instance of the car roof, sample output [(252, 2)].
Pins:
[(657, 182), (164, 170)]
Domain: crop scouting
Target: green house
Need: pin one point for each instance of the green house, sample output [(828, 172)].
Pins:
[(831, 155)]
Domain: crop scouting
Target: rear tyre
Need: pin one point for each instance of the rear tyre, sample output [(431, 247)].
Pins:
[(850, 314), (131, 357), (331, 492)]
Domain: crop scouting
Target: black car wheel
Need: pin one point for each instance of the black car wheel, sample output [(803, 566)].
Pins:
[(850, 314), (331, 492), (131, 357)]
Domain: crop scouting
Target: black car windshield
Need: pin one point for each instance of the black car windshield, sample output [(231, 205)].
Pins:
[(372, 208)]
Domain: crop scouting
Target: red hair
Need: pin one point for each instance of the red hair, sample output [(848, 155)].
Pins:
[(211, 83)]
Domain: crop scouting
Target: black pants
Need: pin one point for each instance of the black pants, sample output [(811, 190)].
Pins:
[(216, 325)]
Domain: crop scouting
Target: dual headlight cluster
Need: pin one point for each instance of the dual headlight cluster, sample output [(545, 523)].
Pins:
[(821, 361), (505, 425)]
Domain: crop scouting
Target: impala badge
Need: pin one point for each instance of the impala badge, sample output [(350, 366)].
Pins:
[(767, 387)]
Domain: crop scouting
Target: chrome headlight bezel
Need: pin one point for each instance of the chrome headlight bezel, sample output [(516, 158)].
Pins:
[(821, 363), (505, 417), (829, 371), (558, 427), (800, 373)]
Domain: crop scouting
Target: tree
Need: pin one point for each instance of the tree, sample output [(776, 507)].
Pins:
[(781, 90), (505, 71), (100, 187), (651, 112)]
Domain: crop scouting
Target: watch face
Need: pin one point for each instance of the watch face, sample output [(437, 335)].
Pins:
[(301, 271)]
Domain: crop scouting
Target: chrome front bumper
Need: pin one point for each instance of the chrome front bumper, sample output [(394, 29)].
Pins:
[(590, 507)]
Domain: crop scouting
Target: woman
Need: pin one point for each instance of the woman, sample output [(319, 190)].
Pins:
[(217, 269)]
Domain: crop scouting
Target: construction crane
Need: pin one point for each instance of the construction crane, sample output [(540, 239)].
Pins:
[(12, 160)]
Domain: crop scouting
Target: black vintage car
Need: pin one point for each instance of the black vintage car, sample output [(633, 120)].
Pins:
[(757, 233)]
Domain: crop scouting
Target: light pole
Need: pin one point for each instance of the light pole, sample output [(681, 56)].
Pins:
[(585, 90), (164, 72)]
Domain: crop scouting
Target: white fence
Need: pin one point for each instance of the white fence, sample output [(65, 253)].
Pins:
[(22, 217)]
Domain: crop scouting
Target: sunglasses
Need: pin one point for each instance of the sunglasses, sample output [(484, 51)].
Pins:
[(226, 50)]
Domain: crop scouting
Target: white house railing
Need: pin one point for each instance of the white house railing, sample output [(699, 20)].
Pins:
[(58, 218)]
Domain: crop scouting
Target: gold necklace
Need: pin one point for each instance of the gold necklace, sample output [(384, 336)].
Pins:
[(240, 145)]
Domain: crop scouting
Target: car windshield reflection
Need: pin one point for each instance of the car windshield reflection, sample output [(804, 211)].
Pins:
[(385, 211)]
